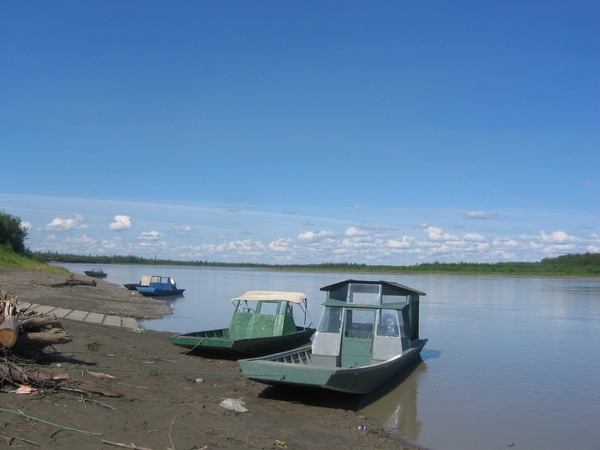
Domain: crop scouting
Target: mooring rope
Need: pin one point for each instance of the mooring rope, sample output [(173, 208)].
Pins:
[(19, 413)]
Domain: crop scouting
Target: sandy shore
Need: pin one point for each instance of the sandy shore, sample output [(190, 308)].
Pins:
[(168, 400)]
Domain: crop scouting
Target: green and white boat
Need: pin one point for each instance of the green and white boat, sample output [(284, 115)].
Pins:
[(262, 323), (368, 332)]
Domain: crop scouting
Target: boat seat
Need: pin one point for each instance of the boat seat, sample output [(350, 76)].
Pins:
[(360, 331)]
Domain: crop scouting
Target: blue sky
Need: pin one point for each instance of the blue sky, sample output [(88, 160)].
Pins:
[(387, 132)]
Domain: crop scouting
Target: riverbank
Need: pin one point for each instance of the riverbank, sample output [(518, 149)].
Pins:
[(167, 399)]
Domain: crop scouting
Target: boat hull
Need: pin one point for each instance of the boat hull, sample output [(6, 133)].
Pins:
[(301, 371), (91, 273), (156, 292), (219, 341)]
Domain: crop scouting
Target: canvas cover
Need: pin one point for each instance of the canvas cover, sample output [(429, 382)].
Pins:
[(292, 297)]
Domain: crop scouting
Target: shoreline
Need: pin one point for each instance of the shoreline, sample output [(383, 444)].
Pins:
[(168, 399)]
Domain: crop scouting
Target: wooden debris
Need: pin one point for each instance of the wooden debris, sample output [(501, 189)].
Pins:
[(93, 389)]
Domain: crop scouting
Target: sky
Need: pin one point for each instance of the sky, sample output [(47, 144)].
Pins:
[(302, 132)]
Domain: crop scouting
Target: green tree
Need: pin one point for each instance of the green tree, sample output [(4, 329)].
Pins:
[(12, 235)]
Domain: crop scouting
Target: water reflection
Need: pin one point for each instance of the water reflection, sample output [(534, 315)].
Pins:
[(394, 405)]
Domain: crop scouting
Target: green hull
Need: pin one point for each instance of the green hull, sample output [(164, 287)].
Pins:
[(219, 341), (297, 368)]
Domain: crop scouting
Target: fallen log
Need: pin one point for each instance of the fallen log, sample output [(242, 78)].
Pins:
[(75, 283), (10, 326), (9, 332), (40, 322), (29, 376), (93, 389)]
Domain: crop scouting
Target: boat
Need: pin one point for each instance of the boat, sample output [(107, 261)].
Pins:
[(262, 323), (96, 273), (144, 281), (160, 286), (369, 331)]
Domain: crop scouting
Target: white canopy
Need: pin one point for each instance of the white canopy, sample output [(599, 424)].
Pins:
[(292, 297)]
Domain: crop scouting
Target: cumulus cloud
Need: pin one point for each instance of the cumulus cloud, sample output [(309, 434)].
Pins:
[(404, 243), (473, 238), (355, 232), (311, 236), (558, 237), (281, 245), (182, 229), (120, 223), (482, 215), (437, 235), (25, 226), (60, 224), (151, 235)]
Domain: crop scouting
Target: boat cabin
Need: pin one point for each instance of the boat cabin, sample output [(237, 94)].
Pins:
[(265, 313), (158, 282), (366, 322)]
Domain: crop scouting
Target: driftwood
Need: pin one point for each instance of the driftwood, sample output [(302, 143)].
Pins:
[(9, 327), (40, 322), (30, 376), (25, 333), (72, 282), (94, 389)]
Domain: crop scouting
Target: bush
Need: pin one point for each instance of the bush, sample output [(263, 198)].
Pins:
[(12, 236)]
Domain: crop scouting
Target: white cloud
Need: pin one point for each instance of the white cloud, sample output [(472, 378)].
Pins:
[(120, 223), (183, 229), (151, 235), (437, 235), (60, 224), (403, 243), (473, 238), (25, 226), (281, 245), (556, 237), (355, 232), (481, 215), (311, 236)]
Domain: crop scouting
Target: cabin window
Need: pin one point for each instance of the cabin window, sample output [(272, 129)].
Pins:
[(339, 294), (393, 298), (366, 294), (268, 308), (388, 323), (332, 320), (360, 323)]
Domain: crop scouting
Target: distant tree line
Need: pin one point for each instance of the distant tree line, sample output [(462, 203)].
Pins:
[(584, 265)]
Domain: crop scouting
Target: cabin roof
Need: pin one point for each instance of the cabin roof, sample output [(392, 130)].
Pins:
[(292, 297), (401, 289)]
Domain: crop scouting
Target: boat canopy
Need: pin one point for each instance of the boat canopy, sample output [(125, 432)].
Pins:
[(292, 297)]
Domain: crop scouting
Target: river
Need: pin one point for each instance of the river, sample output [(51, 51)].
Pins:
[(510, 362)]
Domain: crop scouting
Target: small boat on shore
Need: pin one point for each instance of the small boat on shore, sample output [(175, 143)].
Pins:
[(159, 286), (263, 322), (369, 331), (96, 273)]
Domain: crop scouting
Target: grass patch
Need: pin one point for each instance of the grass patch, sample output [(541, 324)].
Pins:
[(11, 261)]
